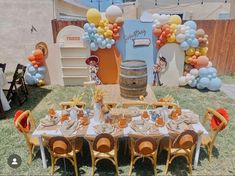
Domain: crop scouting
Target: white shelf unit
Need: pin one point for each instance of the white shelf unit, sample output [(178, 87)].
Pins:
[(74, 68)]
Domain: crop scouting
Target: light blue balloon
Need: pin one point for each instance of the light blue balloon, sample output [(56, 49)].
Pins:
[(92, 24), (102, 46), (104, 43), (32, 70), (112, 41), (195, 43), (212, 70), (97, 35), (215, 84), (214, 75), (199, 86), (203, 72), (109, 45), (204, 82), (189, 41), (89, 30), (94, 29), (30, 80), (109, 41), (39, 76), (99, 40), (184, 45), (93, 46), (193, 83), (191, 24), (209, 76), (42, 69), (192, 32), (86, 26)]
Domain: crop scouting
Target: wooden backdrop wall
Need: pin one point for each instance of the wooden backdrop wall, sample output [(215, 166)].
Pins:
[(221, 41)]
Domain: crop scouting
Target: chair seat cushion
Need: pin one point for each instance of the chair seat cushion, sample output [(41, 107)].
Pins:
[(103, 155)]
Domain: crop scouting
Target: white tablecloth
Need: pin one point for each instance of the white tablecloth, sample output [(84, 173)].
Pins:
[(4, 101)]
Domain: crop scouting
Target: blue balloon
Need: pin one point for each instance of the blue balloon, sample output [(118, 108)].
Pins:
[(191, 24), (30, 80), (89, 30), (99, 40), (215, 84), (203, 72), (212, 70), (184, 45), (109, 45), (93, 46), (42, 69), (204, 82), (97, 35), (192, 32), (86, 26), (195, 43), (39, 76), (214, 75), (102, 46), (32, 70), (94, 29), (104, 43), (189, 41), (199, 86), (193, 83)]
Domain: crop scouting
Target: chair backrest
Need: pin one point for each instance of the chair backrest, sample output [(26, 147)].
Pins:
[(104, 143), (208, 117), (69, 104), (24, 121), (58, 145), (142, 144), (170, 105), (3, 66), (185, 140), (143, 105)]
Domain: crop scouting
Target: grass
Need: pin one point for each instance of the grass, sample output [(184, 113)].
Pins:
[(228, 79), (41, 98)]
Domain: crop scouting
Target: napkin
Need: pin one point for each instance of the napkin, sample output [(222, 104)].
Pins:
[(68, 127), (189, 117), (48, 121), (177, 126)]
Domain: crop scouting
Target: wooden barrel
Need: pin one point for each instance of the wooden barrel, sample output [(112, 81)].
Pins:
[(133, 78)]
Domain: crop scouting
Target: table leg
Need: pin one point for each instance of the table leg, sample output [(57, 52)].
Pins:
[(44, 162), (197, 151)]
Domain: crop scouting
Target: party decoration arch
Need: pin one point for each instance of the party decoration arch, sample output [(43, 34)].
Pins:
[(194, 42)]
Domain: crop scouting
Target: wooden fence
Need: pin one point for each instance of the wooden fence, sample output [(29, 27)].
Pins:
[(221, 41)]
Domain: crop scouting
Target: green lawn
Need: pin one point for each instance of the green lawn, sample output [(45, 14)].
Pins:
[(41, 98)]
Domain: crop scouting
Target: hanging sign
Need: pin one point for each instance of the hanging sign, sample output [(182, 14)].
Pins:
[(141, 42)]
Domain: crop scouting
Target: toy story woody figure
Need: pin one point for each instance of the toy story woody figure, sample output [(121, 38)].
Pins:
[(157, 69), (92, 61)]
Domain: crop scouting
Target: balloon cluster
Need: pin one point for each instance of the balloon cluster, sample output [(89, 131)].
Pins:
[(205, 77), (35, 71), (103, 32), (169, 29)]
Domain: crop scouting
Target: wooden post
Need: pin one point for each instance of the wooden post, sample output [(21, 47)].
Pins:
[(232, 9)]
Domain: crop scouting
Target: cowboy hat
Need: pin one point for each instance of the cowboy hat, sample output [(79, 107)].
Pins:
[(92, 58)]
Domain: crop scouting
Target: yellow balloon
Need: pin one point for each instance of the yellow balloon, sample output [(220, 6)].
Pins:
[(173, 26), (100, 30), (203, 51), (171, 39), (109, 32), (175, 19), (93, 16), (186, 59), (190, 51), (197, 53)]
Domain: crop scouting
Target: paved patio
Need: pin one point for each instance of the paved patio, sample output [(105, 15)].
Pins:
[(229, 90)]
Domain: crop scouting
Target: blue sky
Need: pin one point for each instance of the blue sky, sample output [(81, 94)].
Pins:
[(103, 3)]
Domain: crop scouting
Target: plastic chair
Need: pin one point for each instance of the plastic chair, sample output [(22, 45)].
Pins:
[(31, 142), (209, 141), (143, 147), (181, 145), (103, 146), (61, 147)]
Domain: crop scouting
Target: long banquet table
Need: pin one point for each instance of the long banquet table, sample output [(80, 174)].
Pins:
[(83, 131)]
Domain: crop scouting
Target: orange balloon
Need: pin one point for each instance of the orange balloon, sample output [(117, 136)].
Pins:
[(157, 32), (116, 36), (31, 57), (115, 25), (115, 30), (202, 61), (38, 54)]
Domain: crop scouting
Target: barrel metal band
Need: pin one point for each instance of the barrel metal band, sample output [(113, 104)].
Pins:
[(133, 67), (141, 76)]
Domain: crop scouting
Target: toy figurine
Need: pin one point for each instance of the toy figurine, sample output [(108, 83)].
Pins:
[(157, 69), (92, 61)]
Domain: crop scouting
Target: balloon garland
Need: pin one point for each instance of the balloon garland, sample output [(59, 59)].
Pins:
[(35, 71), (199, 72), (102, 32)]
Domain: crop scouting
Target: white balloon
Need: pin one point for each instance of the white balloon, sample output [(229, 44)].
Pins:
[(156, 16), (113, 12), (182, 81), (209, 64), (180, 38), (194, 72)]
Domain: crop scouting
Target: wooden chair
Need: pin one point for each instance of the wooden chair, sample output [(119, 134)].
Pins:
[(17, 85), (143, 105), (31, 142), (69, 104), (142, 146), (182, 145), (3, 66), (65, 148), (103, 146), (2, 114), (209, 141), (166, 104)]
